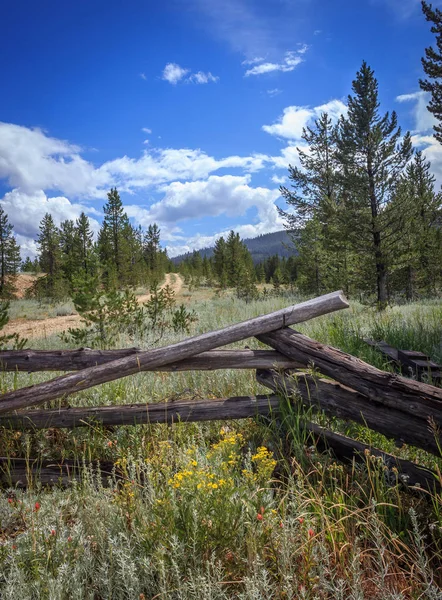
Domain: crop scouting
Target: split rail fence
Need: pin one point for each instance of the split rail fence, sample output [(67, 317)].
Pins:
[(406, 410)]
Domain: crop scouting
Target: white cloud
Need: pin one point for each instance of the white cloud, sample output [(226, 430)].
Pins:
[(291, 60), (278, 180), (201, 78), (423, 119), (253, 61), (228, 195), (143, 76), (274, 92), (26, 210), (295, 118), (146, 130), (31, 160), (173, 73)]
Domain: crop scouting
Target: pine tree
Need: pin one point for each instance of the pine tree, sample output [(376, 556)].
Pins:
[(418, 244), (372, 157), (112, 242), (52, 285), (83, 245), (432, 64), (316, 199), (220, 262), (67, 246), (152, 247), (9, 256), (27, 265)]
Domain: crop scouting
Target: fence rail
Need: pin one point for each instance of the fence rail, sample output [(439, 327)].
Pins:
[(403, 409)]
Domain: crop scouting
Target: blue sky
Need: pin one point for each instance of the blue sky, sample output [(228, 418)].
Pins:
[(193, 109)]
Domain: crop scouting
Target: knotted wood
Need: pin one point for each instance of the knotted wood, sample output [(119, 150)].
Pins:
[(92, 376), (414, 398), (340, 401)]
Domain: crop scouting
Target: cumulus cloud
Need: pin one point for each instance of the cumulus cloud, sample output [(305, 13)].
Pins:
[(31, 160), (278, 180), (173, 73), (26, 210), (423, 119), (291, 60), (295, 118), (228, 194)]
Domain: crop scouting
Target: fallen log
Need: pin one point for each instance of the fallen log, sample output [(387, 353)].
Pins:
[(21, 472), (25, 472), (340, 401), (418, 399), (397, 469), (136, 414), (92, 376), (32, 361)]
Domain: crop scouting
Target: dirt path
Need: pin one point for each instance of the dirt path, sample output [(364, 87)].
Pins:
[(41, 328)]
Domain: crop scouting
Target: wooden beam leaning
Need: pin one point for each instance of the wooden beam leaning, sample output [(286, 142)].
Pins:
[(32, 361), (412, 397), (239, 407), (342, 402), (92, 376)]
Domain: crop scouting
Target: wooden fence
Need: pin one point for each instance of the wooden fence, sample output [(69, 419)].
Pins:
[(403, 409)]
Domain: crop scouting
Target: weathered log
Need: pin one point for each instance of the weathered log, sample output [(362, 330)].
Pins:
[(136, 414), (87, 378), (398, 469), (21, 472), (340, 401), (418, 399), (24, 472), (73, 360)]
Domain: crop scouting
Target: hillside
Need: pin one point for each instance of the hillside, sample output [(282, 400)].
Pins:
[(260, 247)]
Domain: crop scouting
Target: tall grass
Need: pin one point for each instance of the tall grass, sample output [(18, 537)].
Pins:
[(246, 509)]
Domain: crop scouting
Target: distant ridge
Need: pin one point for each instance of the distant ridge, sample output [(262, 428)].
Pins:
[(260, 247)]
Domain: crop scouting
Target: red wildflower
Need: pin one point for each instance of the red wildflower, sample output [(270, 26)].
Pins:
[(70, 539), (311, 533), (37, 506), (261, 510), (301, 520), (259, 516), (281, 524), (11, 500), (53, 532)]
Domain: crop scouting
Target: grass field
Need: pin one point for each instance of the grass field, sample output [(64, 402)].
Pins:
[(242, 509)]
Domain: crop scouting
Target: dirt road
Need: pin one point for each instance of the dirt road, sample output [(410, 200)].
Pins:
[(41, 328)]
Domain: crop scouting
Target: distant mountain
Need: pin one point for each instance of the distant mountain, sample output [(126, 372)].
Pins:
[(260, 247)]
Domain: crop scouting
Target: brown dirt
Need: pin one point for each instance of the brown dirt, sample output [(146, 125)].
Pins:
[(41, 328), (23, 282)]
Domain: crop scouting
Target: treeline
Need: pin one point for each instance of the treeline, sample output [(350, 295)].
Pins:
[(232, 265), (68, 257), (366, 213)]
